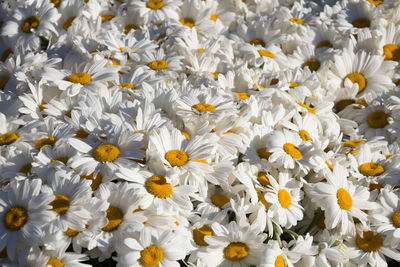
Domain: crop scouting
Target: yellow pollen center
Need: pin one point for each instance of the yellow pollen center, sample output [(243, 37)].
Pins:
[(30, 23), (130, 27), (284, 198), (236, 251), (213, 17), (106, 17), (62, 159), (215, 74), (45, 141), (344, 199), (80, 77), (127, 85), (177, 157), (353, 143), (369, 242), (324, 43), (114, 216), (257, 42), (361, 23), (312, 64), (342, 104), (81, 134), (71, 232), (309, 109), (155, 4), (261, 199), (321, 221), (96, 181), (293, 84), (26, 168), (158, 65), (296, 20), (199, 233), (279, 262), (219, 200), (8, 138), (15, 218), (391, 52), (188, 22), (186, 135), (263, 179), (304, 135), (157, 185), (396, 218), (265, 53), (60, 204), (106, 153), (242, 95), (371, 169), (5, 54), (375, 2), (203, 107), (200, 50), (56, 2), (373, 187), (292, 150), (68, 23), (151, 256), (357, 78), (377, 119), (263, 153), (54, 262)]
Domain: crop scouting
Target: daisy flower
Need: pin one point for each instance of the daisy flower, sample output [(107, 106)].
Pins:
[(163, 63), (24, 211), (155, 11)]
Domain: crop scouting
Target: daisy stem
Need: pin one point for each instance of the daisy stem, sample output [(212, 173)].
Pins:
[(314, 221), (277, 235), (296, 235)]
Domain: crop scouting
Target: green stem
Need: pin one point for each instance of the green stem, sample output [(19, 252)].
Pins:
[(296, 235), (314, 221), (277, 235)]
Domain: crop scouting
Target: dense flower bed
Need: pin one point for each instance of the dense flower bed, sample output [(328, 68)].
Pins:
[(199, 132)]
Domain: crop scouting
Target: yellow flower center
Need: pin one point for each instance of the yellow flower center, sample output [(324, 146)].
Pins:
[(263, 179), (213, 17), (309, 109), (377, 119), (279, 262), (56, 2), (15, 218), (203, 107), (186, 135), (242, 95), (96, 181), (265, 53), (263, 153), (391, 52), (296, 20), (45, 141), (369, 242), (371, 169), (293, 84), (373, 187), (329, 165), (396, 218), (68, 23), (261, 199), (357, 78), (176, 157), (353, 143), (200, 50), (54, 262), (151, 256), (127, 85), (284, 198), (157, 185), (292, 150), (5, 54), (236, 251), (60, 204), (321, 221), (304, 135), (342, 104), (26, 168), (324, 43), (361, 23), (114, 216), (106, 17), (188, 22), (61, 159), (158, 65), (155, 4), (80, 77), (312, 64), (106, 153), (344, 199), (30, 23), (8, 138), (375, 2), (130, 27), (71, 232), (257, 42), (200, 233), (219, 200), (81, 134), (215, 74)]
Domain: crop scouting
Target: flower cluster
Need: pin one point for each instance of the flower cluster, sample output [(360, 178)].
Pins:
[(199, 132)]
